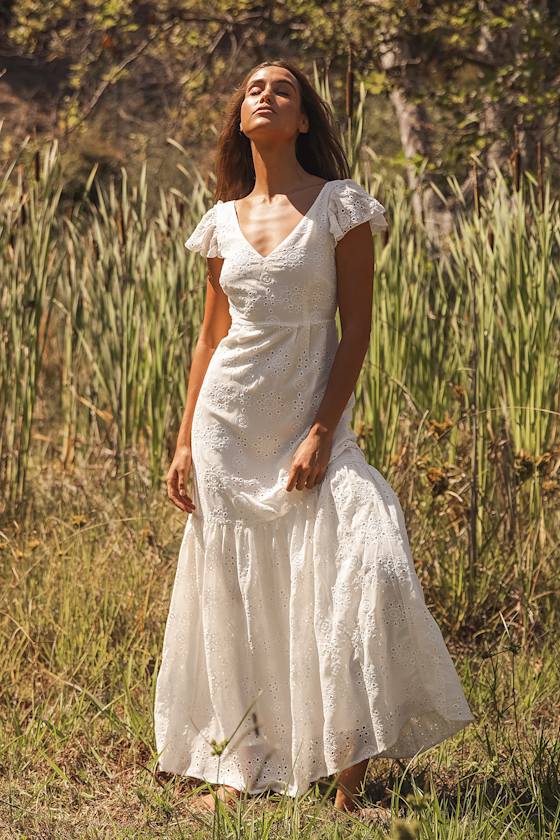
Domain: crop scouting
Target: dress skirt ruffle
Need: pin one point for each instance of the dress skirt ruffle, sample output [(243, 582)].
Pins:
[(305, 641)]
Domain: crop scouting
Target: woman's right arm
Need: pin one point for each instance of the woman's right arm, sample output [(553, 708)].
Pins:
[(215, 326)]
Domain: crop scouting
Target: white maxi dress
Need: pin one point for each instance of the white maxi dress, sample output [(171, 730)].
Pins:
[(297, 630)]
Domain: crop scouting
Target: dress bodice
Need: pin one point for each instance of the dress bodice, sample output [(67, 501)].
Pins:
[(296, 282)]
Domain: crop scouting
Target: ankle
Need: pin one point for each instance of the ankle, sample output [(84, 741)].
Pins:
[(232, 790), (346, 801)]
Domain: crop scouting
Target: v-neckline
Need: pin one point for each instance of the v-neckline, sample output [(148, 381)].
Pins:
[(287, 238)]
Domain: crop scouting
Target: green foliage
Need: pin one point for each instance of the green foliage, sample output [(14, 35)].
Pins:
[(459, 58)]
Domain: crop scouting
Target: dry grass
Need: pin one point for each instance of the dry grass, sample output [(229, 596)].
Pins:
[(85, 588)]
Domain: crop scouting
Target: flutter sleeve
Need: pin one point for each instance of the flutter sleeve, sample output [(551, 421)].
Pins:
[(351, 205), (204, 238)]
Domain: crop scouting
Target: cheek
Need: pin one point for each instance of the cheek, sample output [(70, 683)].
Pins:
[(288, 107), (246, 108), (289, 115)]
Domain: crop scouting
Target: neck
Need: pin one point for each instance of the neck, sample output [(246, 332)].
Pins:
[(277, 170)]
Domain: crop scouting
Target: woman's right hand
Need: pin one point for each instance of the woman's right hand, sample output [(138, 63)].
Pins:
[(177, 477)]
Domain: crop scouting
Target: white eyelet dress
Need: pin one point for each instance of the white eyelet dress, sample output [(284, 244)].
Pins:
[(297, 628)]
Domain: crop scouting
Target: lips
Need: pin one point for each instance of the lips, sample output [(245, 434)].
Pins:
[(264, 110)]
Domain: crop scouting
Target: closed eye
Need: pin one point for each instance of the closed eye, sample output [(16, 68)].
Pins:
[(256, 89)]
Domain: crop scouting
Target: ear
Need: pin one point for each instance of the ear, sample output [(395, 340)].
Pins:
[(304, 125)]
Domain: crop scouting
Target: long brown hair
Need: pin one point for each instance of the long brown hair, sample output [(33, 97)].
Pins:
[(319, 150)]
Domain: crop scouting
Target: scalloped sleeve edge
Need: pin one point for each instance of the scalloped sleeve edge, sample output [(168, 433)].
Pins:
[(352, 206), (204, 238)]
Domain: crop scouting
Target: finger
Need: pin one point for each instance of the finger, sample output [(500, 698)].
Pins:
[(291, 478), (313, 478), (183, 503), (317, 475), (302, 478), (188, 476)]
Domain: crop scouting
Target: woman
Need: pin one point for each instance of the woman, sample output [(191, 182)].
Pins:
[(297, 630)]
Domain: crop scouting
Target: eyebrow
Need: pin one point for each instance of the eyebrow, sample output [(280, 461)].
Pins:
[(278, 82)]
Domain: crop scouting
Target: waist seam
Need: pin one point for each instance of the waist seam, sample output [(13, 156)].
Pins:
[(238, 320)]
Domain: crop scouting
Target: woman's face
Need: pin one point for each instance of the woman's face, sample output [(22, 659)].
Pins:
[(277, 90)]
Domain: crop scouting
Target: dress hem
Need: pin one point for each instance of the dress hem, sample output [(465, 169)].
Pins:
[(455, 726)]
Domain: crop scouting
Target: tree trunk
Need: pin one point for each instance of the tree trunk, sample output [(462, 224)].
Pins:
[(501, 121), (415, 133)]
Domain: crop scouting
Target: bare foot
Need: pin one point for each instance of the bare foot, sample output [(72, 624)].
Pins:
[(343, 802), (349, 783), (225, 793)]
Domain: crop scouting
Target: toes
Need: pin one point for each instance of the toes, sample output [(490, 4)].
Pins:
[(225, 793), (204, 803)]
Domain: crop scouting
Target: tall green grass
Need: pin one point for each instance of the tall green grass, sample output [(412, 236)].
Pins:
[(457, 402)]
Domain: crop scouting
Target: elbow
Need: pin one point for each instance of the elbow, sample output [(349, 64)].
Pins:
[(357, 335)]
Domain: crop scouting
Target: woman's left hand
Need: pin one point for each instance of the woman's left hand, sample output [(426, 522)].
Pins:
[(310, 460)]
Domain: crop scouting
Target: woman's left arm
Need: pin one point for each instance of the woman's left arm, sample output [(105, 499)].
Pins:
[(354, 269)]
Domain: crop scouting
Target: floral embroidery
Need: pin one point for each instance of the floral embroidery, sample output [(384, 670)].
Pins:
[(301, 606)]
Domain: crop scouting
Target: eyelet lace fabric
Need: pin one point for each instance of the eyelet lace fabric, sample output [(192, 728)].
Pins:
[(297, 628)]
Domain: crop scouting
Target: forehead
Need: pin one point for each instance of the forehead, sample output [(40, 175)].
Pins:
[(275, 74)]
